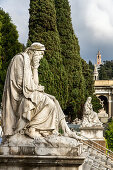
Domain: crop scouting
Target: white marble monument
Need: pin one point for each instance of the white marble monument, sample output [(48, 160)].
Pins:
[(31, 117), (91, 126), (90, 118)]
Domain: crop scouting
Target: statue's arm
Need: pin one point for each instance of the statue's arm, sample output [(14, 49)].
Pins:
[(18, 70), (35, 74)]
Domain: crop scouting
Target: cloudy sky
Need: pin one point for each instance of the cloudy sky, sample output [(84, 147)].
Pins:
[(92, 22)]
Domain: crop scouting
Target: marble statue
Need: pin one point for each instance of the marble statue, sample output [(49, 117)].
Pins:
[(26, 108), (102, 115), (90, 118)]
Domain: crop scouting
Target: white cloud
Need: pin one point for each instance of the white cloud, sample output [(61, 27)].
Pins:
[(92, 22), (18, 10), (98, 19)]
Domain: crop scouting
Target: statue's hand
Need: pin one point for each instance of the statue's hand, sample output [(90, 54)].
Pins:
[(35, 62), (40, 88)]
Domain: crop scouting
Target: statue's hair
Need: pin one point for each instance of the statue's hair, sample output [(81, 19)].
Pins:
[(36, 47), (27, 49)]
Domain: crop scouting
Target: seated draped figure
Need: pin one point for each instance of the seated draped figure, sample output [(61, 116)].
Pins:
[(90, 118), (25, 107)]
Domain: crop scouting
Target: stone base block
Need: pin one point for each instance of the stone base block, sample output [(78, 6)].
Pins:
[(46, 151), (92, 132), (94, 136), (40, 163), (45, 146)]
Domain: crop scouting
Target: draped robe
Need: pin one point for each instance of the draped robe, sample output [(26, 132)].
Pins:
[(23, 104)]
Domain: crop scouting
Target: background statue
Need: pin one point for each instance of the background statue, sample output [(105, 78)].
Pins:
[(90, 118), (26, 108)]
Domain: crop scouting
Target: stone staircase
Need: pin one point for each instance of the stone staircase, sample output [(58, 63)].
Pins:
[(97, 156)]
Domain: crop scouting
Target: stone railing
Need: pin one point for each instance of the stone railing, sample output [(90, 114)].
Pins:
[(96, 155)]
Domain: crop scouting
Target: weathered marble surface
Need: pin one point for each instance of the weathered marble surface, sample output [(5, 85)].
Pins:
[(92, 132), (50, 145), (31, 119), (50, 141), (103, 116), (26, 108), (41, 163)]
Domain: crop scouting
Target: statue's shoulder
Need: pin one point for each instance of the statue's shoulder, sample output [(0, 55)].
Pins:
[(18, 57)]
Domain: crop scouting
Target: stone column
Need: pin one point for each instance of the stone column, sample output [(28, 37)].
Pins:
[(109, 106)]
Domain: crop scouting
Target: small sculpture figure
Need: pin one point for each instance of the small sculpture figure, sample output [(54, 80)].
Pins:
[(26, 108), (90, 118), (102, 115), (76, 121)]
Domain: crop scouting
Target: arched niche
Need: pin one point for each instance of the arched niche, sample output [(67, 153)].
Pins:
[(104, 100)]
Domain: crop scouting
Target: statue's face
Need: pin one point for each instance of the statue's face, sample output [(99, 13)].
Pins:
[(89, 98), (38, 54)]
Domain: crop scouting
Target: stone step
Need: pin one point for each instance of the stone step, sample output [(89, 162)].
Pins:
[(89, 161), (101, 168), (96, 158), (94, 168), (94, 152), (84, 154), (86, 167)]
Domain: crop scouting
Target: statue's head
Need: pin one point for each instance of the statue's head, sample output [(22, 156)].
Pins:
[(36, 51), (37, 47), (89, 99)]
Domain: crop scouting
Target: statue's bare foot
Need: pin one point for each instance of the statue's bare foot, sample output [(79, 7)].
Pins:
[(45, 133), (55, 132), (32, 133), (65, 128), (67, 131)]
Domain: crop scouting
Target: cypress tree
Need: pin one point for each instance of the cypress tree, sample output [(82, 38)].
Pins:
[(43, 29), (89, 82), (9, 45), (70, 51), (91, 66), (106, 70), (109, 135)]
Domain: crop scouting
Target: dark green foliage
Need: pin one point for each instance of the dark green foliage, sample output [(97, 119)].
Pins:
[(43, 29), (89, 82), (89, 86), (9, 45), (106, 70), (96, 104), (62, 71), (70, 51), (91, 66), (109, 135)]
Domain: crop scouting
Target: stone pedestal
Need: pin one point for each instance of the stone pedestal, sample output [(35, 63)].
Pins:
[(103, 116), (92, 132), (94, 135), (47, 153), (40, 151), (40, 163)]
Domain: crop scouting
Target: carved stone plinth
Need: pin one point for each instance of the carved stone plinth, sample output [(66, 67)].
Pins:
[(92, 132), (103, 116), (40, 151), (41, 162), (94, 135), (52, 145), (47, 153)]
